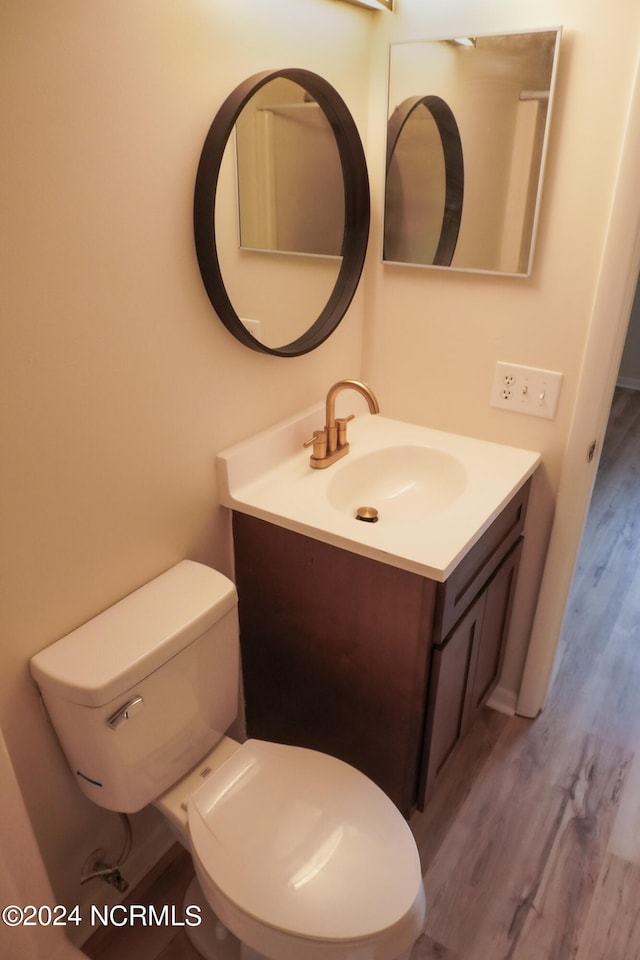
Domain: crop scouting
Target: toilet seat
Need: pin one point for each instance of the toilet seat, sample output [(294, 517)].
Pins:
[(305, 845)]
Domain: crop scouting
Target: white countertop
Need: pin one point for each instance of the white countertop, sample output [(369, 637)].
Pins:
[(269, 477)]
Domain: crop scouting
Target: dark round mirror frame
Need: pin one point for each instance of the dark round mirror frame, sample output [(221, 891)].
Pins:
[(356, 209), (453, 166)]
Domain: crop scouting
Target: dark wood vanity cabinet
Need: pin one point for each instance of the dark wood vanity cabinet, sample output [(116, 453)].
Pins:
[(465, 668), (378, 666)]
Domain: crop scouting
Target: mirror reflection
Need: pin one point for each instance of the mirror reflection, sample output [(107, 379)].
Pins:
[(290, 191), (425, 183), (499, 89)]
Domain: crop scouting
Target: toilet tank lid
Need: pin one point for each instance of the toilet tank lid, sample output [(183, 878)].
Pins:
[(126, 642)]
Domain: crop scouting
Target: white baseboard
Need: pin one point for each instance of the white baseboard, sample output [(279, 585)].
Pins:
[(503, 700)]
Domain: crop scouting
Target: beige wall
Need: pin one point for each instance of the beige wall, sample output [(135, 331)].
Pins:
[(435, 335), (119, 385)]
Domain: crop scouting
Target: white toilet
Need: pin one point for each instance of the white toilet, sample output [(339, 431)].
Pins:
[(298, 855)]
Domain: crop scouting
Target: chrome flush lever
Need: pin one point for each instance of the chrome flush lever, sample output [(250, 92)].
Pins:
[(125, 712)]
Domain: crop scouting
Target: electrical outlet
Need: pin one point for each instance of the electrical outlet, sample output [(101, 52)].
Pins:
[(526, 390)]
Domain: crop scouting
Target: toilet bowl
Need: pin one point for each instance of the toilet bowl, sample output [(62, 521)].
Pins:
[(298, 855)]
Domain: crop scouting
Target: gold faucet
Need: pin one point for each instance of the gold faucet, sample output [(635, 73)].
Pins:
[(331, 443)]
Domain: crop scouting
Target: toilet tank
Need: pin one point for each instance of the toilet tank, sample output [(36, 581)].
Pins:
[(142, 692)]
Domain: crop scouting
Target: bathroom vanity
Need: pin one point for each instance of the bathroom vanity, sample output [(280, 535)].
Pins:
[(381, 667), (367, 644)]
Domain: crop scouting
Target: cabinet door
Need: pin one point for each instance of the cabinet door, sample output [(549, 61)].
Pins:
[(448, 712), (488, 663), (465, 669)]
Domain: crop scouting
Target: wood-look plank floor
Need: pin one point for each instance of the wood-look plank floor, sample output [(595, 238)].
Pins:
[(531, 844), (539, 858)]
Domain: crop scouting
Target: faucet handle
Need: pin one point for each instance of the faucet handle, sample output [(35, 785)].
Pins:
[(319, 441), (341, 423)]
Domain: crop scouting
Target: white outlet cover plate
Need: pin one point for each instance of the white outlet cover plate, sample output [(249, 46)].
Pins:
[(527, 390)]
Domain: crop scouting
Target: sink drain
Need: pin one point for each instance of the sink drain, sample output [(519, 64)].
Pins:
[(367, 514)]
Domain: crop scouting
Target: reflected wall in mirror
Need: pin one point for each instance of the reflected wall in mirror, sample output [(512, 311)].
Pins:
[(290, 192), (282, 303), (500, 91)]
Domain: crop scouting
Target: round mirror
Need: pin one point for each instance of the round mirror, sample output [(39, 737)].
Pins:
[(281, 211), (424, 184)]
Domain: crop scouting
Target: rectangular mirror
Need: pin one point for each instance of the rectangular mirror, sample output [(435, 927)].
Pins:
[(466, 144)]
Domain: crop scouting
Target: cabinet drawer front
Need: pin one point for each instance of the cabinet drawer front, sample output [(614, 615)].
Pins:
[(471, 574)]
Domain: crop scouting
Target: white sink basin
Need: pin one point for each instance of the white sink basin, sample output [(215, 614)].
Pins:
[(404, 484), (435, 492)]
